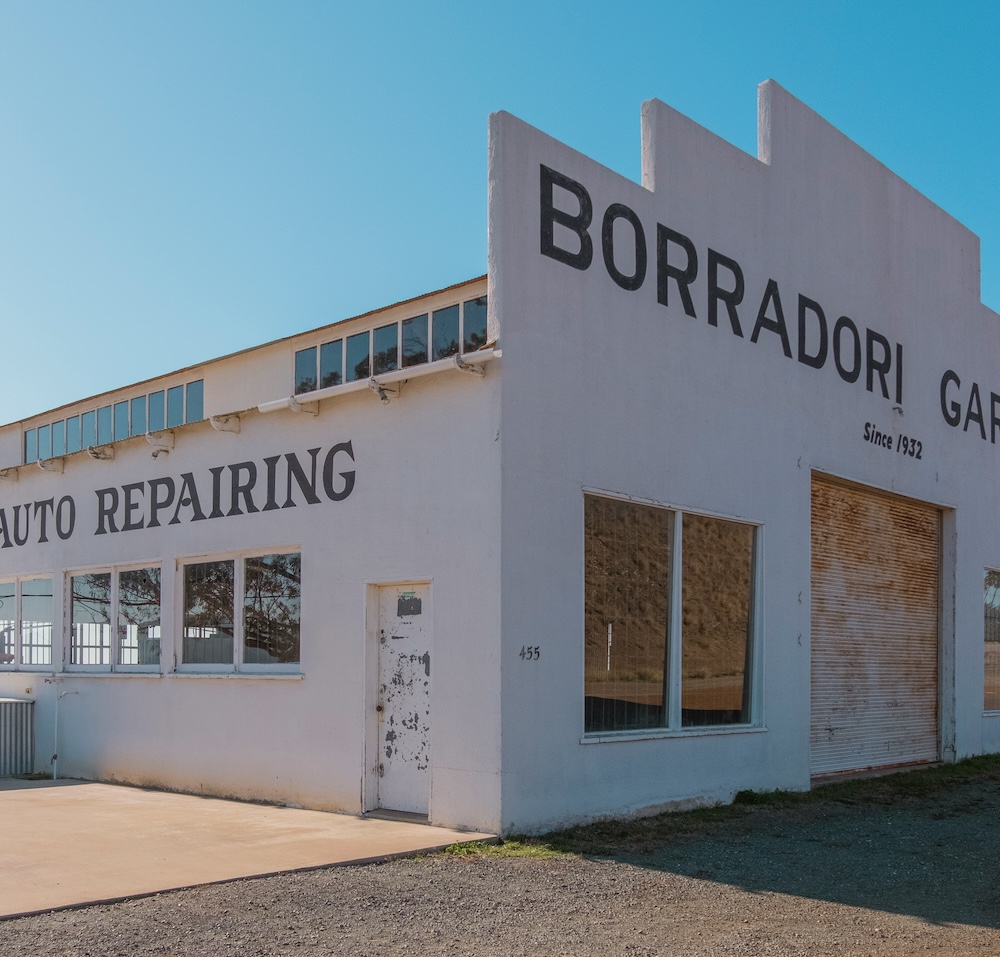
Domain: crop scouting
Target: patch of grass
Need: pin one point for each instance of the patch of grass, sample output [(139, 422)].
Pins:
[(615, 837), (512, 847)]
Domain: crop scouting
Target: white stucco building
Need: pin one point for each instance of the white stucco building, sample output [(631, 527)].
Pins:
[(694, 492)]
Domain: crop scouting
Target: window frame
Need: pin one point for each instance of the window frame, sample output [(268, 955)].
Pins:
[(110, 424), (16, 665), (237, 666), (114, 666), (986, 573), (300, 366), (673, 658)]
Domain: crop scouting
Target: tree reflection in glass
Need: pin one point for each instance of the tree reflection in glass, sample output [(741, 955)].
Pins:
[(208, 613), (271, 609)]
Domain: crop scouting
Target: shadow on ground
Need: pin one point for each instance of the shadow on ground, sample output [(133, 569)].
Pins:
[(931, 855)]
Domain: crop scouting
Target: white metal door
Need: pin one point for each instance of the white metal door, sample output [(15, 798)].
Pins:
[(875, 584), (404, 698)]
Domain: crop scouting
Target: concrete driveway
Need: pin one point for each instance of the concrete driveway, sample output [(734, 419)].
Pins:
[(66, 843)]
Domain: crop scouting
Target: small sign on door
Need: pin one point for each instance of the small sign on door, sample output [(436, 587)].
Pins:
[(408, 604)]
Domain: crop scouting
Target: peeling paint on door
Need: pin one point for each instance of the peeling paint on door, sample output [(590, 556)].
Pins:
[(404, 676)]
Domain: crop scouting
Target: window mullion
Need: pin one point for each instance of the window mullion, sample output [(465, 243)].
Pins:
[(115, 625), (674, 637), (18, 637), (239, 602)]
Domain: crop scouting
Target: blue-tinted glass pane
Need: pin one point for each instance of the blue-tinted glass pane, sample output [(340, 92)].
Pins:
[(104, 431), (138, 424), (386, 349), (305, 370), (44, 442), (474, 324), (73, 434), (175, 406), (415, 340), (357, 357), (88, 424), (59, 438), (157, 421), (121, 421), (194, 408), (30, 446), (331, 363), (445, 329)]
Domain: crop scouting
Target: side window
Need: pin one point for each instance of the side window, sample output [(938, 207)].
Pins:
[(26, 623), (242, 613), (991, 641), (668, 643), (115, 619), (398, 345)]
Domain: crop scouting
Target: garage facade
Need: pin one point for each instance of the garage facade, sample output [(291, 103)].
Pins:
[(692, 492)]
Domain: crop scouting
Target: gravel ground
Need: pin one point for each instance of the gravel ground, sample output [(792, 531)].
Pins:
[(920, 875)]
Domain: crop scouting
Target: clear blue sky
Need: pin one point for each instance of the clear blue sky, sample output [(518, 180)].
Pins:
[(179, 180)]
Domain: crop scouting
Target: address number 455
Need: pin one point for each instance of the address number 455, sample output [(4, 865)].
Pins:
[(530, 653)]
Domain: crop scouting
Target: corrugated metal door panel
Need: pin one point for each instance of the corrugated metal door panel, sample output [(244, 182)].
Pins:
[(875, 586), (17, 737)]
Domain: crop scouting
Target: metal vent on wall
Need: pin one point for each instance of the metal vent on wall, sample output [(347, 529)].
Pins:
[(17, 736)]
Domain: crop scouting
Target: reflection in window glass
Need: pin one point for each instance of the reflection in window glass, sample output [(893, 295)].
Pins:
[(90, 634), (208, 613), (8, 623), (36, 621), (474, 324), (991, 643), (104, 430), (139, 616), (157, 419), (357, 357), (627, 569), (415, 340), (44, 442), (305, 370), (121, 421), (88, 424), (629, 578), (73, 434), (271, 609), (444, 328), (138, 415), (331, 363), (385, 345), (717, 583), (175, 406), (194, 403), (58, 438), (30, 445)]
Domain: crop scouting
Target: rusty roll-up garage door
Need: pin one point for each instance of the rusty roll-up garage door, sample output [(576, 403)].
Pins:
[(875, 583)]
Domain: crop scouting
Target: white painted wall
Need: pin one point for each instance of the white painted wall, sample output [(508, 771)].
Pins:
[(607, 389), (425, 506)]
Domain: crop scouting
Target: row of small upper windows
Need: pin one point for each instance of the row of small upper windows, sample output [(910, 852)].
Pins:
[(112, 423), (425, 338)]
